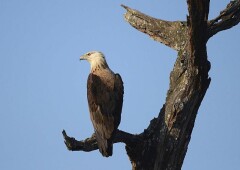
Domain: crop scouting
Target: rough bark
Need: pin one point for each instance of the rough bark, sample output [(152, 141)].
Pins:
[(90, 144), (163, 144), (227, 19), (167, 32)]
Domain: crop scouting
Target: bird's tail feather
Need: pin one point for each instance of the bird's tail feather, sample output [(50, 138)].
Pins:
[(105, 145)]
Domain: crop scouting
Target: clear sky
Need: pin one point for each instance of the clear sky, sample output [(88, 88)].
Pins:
[(43, 83)]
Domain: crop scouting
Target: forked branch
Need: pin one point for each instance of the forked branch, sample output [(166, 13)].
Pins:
[(164, 143)]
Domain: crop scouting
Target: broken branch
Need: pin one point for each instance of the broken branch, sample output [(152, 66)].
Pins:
[(90, 144), (228, 18)]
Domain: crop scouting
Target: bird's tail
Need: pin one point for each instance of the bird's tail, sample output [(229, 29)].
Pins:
[(105, 145)]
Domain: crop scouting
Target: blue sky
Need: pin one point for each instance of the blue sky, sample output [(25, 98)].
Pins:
[(43, 83)]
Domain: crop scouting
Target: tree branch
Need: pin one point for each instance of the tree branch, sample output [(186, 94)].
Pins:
[(164, 143), (188, 84), (90, 144), (228, 18), (169, 33)]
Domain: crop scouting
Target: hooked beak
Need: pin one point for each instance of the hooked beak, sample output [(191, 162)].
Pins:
[(83, 57)]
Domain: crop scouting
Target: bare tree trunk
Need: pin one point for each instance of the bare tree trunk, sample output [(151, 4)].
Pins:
[(163, 144)]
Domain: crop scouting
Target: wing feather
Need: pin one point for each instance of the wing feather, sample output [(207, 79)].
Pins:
[(105, 100), (118, 91), (105, 106)]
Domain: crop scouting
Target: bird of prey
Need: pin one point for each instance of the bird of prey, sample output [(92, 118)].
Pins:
[(105, 99)]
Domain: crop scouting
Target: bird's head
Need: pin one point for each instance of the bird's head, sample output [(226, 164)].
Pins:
[(96, 60)]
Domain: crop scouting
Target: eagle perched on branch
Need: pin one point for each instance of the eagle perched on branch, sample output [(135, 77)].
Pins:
[(105, 99)]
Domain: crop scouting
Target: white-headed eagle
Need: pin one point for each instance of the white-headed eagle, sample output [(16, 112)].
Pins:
[(105, 99)]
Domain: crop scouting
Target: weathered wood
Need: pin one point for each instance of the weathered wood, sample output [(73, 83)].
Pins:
[(228, 18), (173, 127), (163, 144), (90, 144), (166, 32)]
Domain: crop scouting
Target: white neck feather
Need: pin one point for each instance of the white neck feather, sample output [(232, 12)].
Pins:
[(98, 64)]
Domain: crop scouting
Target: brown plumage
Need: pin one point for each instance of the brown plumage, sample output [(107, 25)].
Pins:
[(105, 98)]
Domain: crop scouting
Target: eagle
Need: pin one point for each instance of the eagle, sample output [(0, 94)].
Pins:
[(105, 99)]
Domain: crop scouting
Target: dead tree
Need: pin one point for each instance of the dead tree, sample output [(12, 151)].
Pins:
[(163, 144)]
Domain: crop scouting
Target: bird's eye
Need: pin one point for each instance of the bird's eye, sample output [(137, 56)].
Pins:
[(88, 54)]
